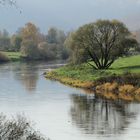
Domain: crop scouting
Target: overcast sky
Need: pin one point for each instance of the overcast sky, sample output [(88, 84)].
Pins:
[(69, 14)]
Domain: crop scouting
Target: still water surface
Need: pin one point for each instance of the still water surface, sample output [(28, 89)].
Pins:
[(61, 112)]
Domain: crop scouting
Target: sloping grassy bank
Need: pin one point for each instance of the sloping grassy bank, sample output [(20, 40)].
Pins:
[(124, 72), (13, 56)]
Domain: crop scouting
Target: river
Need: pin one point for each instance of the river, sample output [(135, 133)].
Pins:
[(61, 112)]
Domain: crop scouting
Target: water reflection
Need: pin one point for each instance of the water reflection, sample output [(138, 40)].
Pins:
[(92, 118), (97, 116), (28, 75)]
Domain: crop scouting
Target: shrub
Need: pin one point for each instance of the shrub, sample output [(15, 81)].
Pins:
[(3, 58), (17, 129), (127, 78), (29, 50)]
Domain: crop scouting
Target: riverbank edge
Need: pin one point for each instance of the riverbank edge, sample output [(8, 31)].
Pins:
[(109, 90)]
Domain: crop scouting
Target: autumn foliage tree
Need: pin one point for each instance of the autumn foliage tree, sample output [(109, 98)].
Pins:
[(102, 42), (30, 40)]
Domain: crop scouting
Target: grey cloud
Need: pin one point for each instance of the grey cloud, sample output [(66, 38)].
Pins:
[(68, 14)]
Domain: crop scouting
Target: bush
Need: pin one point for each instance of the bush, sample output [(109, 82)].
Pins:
[(3, 58), (47, 51), (17, 129), (29, 50), (126, 78)]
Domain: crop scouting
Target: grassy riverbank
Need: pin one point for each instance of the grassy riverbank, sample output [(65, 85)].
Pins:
[(84, 76), (13, 56)]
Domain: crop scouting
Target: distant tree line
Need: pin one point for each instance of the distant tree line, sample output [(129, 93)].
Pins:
[(34, 45), (99, 44), (4, 41)]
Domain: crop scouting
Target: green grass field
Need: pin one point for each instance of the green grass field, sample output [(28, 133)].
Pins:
[(13, 56), (84, 72)]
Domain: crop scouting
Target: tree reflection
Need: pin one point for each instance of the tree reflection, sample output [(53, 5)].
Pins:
[(27, 74), (99, 116)]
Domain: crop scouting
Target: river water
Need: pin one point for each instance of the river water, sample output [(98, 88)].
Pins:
[(61, 112)]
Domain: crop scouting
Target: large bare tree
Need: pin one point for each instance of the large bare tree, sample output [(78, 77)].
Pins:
[(104, 41)]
